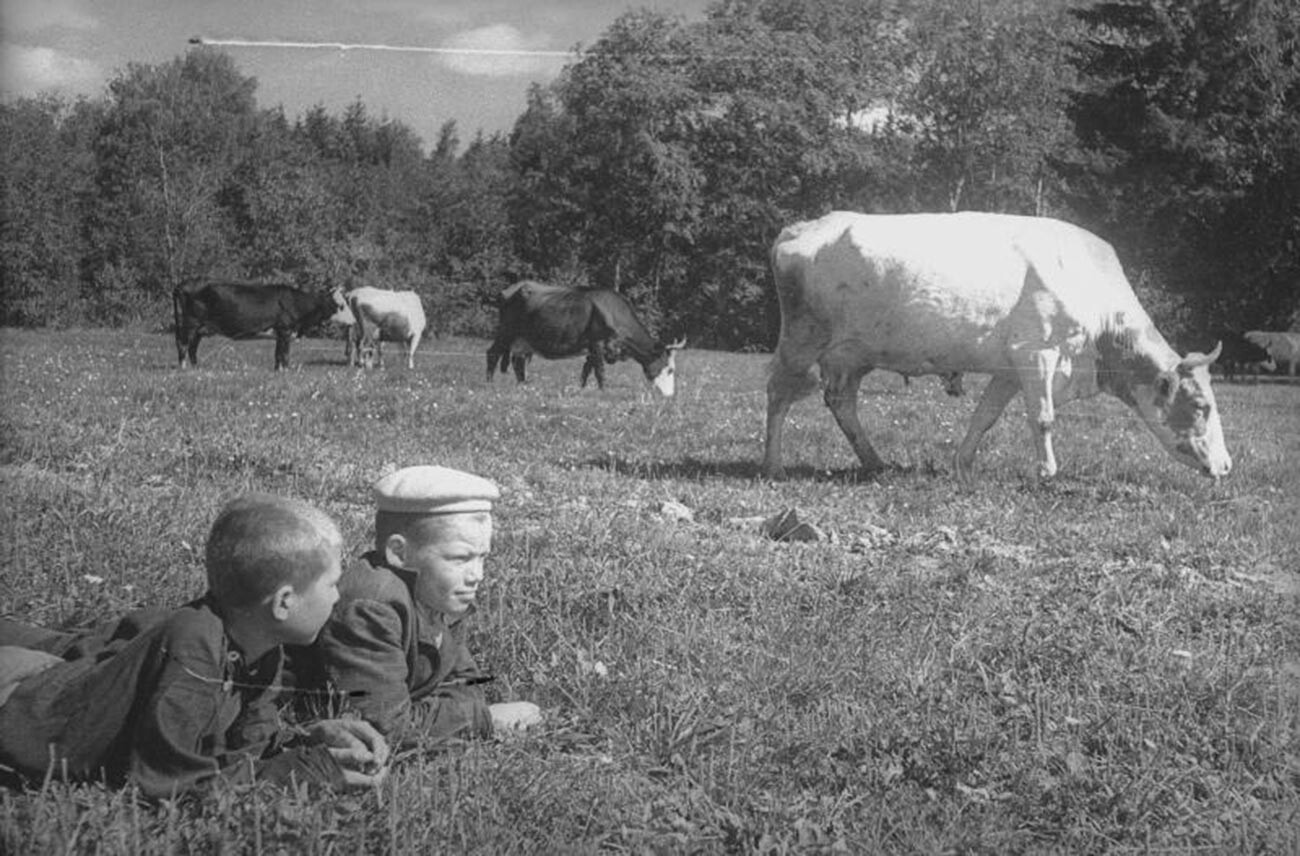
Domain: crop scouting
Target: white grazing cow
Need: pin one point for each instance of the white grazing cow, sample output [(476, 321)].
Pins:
[(1282, 347), (385, 316), (1040, 305)]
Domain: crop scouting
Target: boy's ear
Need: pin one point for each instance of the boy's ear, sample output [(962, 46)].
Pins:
[(395, 550), (282, 602)]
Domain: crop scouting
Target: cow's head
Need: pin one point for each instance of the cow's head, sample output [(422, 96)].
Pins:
[(1178, 406), (662, 370)]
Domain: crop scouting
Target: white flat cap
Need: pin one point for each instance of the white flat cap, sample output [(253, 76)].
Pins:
[(434, 490)]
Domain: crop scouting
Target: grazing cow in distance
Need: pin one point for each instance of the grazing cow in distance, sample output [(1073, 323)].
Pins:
[(345, 319), (556, 321), (1282, 347), (1241, 357), (243, 310), (384, 316), (1040, 305)]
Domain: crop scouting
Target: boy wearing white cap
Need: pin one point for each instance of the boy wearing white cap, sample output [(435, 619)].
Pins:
[(393, 649)]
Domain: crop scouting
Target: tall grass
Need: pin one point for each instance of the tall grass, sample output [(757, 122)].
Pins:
[(1106, 663)]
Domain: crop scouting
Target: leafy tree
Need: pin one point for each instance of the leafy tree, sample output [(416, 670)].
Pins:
[(44, 143), (280, 213), (545, 209), (988, 108), (1189, 115), (170, 138)]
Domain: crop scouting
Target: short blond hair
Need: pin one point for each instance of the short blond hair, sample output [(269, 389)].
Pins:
[(260, 542)]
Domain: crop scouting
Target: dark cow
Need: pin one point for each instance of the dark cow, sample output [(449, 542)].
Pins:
[(1243, 358), (242, 310), (556, 321)]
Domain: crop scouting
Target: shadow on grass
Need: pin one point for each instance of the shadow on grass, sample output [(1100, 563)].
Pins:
[(742, 470)]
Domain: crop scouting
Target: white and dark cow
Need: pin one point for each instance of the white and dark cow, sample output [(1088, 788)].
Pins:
[(383, 316), (1282, 347), (1040, 305), (243, 310), (556, 321)]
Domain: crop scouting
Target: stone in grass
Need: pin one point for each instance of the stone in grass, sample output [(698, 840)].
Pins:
[(786, 526), (673, 510)]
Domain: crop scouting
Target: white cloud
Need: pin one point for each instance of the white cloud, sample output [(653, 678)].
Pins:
[(500, 50), (29, 70), (26, 16)]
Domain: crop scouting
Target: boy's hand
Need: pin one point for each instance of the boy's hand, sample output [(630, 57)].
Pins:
[(360, 750), (514, 715)]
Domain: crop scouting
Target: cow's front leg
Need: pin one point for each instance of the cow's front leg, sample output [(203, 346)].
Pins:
[(1037, 368), (596, 364), (282, 340), (841, 396), (999, 392)]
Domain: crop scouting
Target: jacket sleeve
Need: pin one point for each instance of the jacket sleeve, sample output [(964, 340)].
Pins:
[(452, 712), (455, 707), (194, 729), (365, 660), (308, 764), (178, 728)]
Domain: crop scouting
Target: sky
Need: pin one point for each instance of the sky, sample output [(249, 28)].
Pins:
[(73, 47)]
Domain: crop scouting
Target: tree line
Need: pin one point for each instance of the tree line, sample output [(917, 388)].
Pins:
[(665, 158)]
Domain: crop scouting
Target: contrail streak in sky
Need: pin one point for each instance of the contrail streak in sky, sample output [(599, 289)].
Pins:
[(344, 46)]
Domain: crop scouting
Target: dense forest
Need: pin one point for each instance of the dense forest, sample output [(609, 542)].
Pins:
[(666, 157)]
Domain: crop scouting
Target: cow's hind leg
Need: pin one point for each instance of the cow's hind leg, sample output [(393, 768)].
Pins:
[(841, 395), (999, 392), (785, 385)]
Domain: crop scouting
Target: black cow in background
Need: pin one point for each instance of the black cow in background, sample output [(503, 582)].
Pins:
[(1241, 357), (242, 310), (556, 321)]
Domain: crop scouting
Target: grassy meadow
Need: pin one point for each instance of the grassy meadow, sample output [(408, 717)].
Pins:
[(1107, 663)]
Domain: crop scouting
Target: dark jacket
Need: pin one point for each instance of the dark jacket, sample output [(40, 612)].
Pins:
[(379, 656), (162, 699)]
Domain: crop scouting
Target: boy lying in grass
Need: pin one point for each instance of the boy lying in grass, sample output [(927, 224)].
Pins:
[(393, 652), (172, 700)]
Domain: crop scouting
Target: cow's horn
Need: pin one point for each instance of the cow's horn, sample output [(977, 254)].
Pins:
[(676, 346), (1193, 360)]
